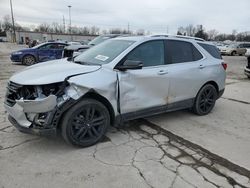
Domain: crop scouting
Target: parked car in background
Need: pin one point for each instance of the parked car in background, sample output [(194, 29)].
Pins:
[(85, 42), (116, 81), (73, 43), (74, 50), (233, 49), (247, 68), (247, 46), (40, 53)]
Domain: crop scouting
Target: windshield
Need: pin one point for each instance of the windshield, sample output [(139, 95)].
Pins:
[(37, 46), (232, 45), (98, 40), (103, 53)]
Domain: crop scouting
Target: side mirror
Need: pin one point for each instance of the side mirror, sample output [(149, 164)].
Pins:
[(130, 64)]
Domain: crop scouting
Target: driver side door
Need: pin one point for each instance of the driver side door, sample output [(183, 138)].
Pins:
[(145, 91), (46, 52)]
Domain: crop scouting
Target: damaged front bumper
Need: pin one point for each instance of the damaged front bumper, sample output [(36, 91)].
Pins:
[(33, 116), (31, 130)]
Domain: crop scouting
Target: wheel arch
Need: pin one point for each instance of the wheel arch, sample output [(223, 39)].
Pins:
[(104, 101), (212, 83)]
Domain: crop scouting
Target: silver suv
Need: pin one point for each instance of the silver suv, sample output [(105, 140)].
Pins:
[(119, 80)]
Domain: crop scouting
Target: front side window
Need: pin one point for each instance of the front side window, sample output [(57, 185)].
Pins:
[(181, 52), (149, 53)]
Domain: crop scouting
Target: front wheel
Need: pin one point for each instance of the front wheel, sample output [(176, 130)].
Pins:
[(205, 100), (85, 123), (29, 60)]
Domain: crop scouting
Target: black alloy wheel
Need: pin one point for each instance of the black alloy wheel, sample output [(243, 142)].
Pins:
[(85, 123), (205, 100)]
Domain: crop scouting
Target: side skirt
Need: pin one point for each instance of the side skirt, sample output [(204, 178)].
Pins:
[(120, 119)]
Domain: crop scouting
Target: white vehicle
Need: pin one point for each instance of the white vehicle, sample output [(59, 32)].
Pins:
[(233, 49), (118, 80)]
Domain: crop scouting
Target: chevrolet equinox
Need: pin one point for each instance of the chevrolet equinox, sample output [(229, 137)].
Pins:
[(119, 80)]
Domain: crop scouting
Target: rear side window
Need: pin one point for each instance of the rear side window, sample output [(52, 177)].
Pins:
[(212, 50), (181, 51)]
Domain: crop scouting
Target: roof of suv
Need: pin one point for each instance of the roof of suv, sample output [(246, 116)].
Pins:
[(180, 37)]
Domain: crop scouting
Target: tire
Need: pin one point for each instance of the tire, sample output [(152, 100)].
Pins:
[(205, 100), (248, 77), (85, 123), (29, 60), (233, 53)]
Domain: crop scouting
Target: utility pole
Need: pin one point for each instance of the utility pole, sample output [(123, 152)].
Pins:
[(70, 22), (13, 23), (128, 27)]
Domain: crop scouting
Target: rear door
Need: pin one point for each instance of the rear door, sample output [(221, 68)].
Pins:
[(147, 88), (186, 71), (241, 49)]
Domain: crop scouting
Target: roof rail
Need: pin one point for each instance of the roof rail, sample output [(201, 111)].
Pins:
[(178, 36)]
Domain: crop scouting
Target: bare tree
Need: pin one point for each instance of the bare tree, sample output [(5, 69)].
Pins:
[(56, 28), (190, 30), (212, 34), (94, 30), (7, 25), (44, 27), (140, 32)]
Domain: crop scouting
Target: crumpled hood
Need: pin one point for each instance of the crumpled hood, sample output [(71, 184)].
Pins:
[(50, 72)]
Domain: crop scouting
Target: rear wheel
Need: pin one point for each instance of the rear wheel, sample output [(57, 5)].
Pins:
[(85, 123), (29, 60), (205, 100), (233, 53)]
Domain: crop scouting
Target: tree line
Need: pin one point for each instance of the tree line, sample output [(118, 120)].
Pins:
[(6, 25), (190, 30), (212, 35)]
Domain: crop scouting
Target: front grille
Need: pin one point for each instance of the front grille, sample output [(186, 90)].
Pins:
[(12, 93)]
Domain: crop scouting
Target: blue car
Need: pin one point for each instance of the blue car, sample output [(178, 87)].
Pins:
[(40, 53)]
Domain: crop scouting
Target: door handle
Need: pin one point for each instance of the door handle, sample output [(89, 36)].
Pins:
[(162, 72), (202, 66)]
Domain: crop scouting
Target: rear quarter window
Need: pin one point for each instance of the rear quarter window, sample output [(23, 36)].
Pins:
[(212, 50)]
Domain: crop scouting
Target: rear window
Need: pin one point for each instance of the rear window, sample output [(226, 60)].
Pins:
[(212, 50)]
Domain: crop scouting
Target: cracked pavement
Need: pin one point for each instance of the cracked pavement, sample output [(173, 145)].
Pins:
[(143, 153)]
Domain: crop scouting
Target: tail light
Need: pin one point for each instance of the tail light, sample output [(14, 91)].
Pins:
[(224, 65)]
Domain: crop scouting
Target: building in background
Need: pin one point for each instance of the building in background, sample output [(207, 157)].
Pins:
[(23, 37)]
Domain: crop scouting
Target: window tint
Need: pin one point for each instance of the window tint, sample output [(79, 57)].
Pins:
[(241, 46), (212, 50), (60, 46), (150, 53), (246, 45), (196, 54), (180, 52)]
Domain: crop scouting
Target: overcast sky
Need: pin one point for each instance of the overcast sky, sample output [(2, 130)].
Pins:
[(157, 16)]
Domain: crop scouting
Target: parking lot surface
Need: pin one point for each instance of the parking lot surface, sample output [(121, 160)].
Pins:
[(178, 149)]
